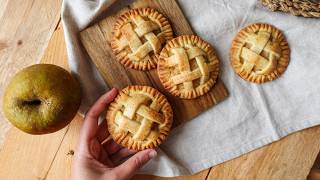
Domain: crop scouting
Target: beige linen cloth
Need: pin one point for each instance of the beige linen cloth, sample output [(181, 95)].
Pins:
[(252, 116)]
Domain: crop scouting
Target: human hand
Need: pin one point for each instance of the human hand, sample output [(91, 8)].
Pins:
[(94, 160)]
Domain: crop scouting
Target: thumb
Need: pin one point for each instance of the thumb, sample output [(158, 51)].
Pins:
[(129, 167)]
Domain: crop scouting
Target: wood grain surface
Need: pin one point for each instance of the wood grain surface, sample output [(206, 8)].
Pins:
[(27, 157), (25, 30), (290, 158), (96, 40)]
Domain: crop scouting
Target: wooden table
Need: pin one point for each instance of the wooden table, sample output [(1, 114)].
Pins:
[(31, 31)]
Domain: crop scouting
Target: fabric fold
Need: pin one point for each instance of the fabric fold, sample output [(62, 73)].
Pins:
[(252, 116)]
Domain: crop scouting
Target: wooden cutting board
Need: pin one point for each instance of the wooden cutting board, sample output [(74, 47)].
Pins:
[(96, 40), (290, 158)]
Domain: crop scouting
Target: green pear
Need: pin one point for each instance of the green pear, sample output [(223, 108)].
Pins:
[(41, 99)]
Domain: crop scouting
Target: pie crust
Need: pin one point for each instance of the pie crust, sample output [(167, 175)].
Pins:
[(139, 118), (188, 66), (138, 37), (259, 53)]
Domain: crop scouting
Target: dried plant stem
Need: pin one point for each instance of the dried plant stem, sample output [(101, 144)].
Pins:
[(296, 7)]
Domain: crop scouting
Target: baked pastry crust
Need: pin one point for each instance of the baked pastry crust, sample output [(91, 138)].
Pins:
[(259, 53), (138, 37), (139, 118), (188, 66)]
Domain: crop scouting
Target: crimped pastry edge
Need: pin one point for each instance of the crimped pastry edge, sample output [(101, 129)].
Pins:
[(164, 73), (127, 141), (122, 19), (282, 64)]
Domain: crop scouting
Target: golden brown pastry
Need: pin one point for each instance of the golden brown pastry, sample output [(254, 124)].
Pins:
[(139, 118), (138, 37), (259, 53), (188, 66)]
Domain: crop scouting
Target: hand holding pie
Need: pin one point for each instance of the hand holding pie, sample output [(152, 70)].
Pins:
[(139, 118)]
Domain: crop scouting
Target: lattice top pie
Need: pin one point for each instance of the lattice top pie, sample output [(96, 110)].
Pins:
[(139, 118), (259, 53), (138, 37), (188, 66)]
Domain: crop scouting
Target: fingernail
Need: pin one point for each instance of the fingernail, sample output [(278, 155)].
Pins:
[(152, 154)]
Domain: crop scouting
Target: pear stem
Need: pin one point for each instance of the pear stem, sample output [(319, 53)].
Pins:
[(32, 102)]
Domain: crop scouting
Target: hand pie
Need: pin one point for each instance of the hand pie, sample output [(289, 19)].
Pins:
[(188, 66), (259, 53), (139, 118), (138, 37)]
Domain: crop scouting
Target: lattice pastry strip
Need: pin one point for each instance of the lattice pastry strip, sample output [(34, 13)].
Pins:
[(202, 72), (195, 62), (139, 118), (135, 105), (259, 53), (126, 124), (138, 38)]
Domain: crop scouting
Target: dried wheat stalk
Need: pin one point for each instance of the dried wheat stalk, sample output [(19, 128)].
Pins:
[(306, 8)]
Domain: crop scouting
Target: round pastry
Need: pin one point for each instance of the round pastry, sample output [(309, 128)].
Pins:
[(259, 53), (188, 66), (139, 118), (138, 37)]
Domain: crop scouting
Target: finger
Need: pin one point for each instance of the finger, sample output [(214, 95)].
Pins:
[(90, 125), (123, 153), (111, 147), (102, 131), (101, 104), (127, 169)]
